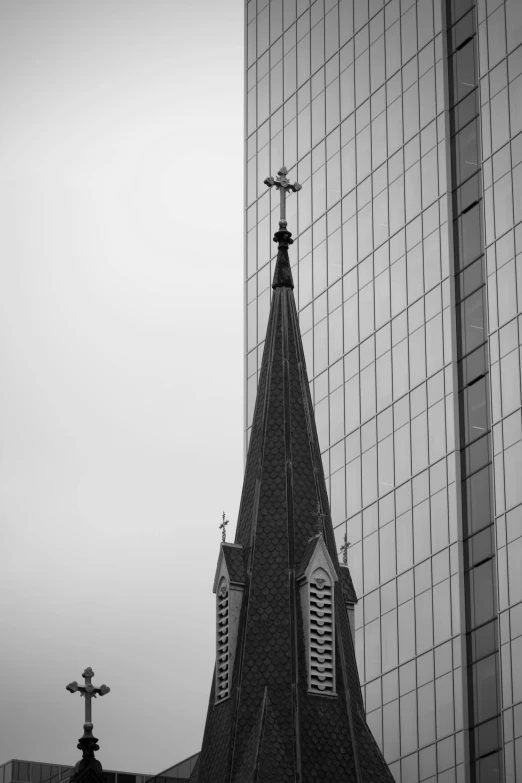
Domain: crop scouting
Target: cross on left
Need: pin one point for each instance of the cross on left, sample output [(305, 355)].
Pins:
[(88, 691)]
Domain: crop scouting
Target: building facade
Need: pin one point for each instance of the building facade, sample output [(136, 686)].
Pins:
[(18, 771), (403, 123)]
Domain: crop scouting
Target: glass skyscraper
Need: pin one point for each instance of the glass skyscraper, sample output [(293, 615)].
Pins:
[(403, 123)]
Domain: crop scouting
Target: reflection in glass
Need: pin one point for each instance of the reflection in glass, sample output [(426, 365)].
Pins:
[(485, 688), (472, 321), (408, 713), (464, 71), (444, 705), (466, 152)]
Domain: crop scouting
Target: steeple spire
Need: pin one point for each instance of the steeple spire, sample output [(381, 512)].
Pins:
[(286, 703)]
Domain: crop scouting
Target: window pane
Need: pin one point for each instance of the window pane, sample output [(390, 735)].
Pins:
[(513, 472), (391, 735), (482, 593), (476, 414), (464, 71), (470, 236), (372, 648), (515, 571), (466, 152), (389, 640), (405, 542), (485, 677), (426, 706), (408, 710), (424, 622), (441, 612), (444, 705), (406, 631)]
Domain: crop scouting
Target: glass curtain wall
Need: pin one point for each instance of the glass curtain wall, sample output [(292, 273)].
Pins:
[(374, 109), (482, 645), (499, 68)]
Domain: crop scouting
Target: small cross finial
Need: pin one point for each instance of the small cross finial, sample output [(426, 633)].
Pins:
[(88, 743), (88, 691), (283, 185), (344, 549), (223, 528)]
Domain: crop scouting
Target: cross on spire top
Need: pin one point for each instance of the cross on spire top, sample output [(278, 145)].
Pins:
[(88, 743), (223, 528), (88, 691), (283, 185)]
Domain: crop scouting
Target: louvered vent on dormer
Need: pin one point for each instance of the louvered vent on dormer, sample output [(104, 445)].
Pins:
[(321, 629), (222, 642)]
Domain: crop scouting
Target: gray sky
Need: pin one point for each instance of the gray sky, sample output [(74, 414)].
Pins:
[(121, 341)]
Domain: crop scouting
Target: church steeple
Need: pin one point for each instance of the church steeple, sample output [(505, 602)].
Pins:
[(285, 703)]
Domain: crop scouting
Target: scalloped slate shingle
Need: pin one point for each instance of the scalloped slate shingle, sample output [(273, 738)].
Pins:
[(234, 559), (309, 550), (271, 729)]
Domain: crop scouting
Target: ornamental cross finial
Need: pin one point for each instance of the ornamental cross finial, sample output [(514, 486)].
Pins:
[(283, 185), (344, 549), (223, 528), (320, 517), (88, 691)]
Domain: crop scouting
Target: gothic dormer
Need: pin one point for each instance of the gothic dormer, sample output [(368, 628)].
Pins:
[(229, 585), (317, 578)]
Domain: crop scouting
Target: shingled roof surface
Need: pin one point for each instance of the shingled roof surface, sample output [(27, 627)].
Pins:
[(235, 564), (271, 728), (350, 596)]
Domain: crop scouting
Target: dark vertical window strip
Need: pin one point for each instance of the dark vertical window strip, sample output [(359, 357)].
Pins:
[(482, 638)]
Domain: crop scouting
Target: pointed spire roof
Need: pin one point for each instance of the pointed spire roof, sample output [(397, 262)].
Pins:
[(284, 513)]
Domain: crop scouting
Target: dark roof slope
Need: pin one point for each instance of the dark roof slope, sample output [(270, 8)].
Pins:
[(233, 555), (350, 596)]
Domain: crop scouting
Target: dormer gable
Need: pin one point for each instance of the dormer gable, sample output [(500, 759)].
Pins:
[(317, 577), (230, 564), (316, 556), (229, 586)]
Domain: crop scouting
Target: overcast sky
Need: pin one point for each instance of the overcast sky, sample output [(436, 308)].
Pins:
[(121, 349)]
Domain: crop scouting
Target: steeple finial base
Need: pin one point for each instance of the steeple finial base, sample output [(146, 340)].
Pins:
[(283, 274), (283, 237), (88, 769)]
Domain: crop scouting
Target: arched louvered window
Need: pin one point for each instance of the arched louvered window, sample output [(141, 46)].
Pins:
[(321, 673), (222, 642)]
